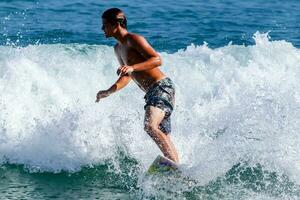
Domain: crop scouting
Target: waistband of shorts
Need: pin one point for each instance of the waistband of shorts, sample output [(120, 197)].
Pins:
[(166, 79)]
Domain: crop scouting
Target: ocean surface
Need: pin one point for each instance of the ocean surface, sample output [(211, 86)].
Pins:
[(236, 68)]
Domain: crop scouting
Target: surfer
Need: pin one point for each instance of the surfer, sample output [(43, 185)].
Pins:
[(139, 62)]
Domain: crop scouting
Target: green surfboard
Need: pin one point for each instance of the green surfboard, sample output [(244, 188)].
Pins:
[(161, 165)]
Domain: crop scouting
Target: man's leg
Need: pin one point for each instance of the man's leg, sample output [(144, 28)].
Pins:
[(153, 117), (172, 147)]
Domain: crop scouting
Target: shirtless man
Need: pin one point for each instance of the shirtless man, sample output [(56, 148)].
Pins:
[(140, 62)]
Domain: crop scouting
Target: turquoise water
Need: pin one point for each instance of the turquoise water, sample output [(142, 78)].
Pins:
[(235, 66), (97, 182), (100, 182)]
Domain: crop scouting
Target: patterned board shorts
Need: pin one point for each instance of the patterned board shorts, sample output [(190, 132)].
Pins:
[(162, 95)]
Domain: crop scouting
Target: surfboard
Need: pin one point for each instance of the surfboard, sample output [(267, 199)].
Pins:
[(161, 165), (164, 167)]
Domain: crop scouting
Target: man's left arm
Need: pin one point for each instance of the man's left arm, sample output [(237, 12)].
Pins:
[(153, 60)]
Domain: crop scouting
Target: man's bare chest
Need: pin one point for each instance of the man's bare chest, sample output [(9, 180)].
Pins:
[(130, 56)]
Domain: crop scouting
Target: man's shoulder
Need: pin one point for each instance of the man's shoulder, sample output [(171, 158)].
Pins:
[(134, 38)]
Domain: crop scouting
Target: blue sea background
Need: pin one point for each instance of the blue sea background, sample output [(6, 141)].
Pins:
[(168, 25), (236, 67)]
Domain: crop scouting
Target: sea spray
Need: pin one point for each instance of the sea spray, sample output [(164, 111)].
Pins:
[(235, 105)]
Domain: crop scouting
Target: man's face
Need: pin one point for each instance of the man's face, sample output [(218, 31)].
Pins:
[(107, 28)]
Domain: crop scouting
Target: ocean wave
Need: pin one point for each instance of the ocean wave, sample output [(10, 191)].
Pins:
[(233, 104)]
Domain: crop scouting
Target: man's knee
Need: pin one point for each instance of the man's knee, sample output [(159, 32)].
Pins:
[(150, 128)]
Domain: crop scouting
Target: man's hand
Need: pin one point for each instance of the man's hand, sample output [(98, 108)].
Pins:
[(124, 70), (101, 94)]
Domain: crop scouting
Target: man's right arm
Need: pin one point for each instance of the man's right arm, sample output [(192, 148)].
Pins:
[(118, 85)]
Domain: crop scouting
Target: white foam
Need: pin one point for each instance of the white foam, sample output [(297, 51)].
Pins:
[(234, 104)]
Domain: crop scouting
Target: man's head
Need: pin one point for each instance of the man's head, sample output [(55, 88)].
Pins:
[(112, 19)]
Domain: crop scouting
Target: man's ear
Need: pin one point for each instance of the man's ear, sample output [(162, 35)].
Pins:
[(117, 25)]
